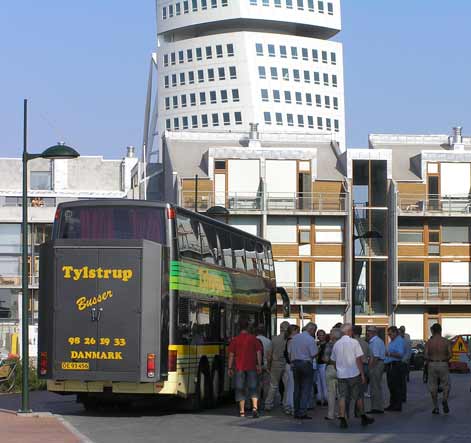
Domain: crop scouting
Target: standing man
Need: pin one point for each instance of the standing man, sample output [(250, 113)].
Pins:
[(438, 354), (376, 369), (276, 365), (394, 354), (405, 361), (302, 350), (347, 355), (264, 379), (246, 351)]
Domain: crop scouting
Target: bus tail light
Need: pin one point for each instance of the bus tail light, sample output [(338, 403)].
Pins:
[(150, 365), (170, 213), (172, 360), (43, 363), (57, 214)]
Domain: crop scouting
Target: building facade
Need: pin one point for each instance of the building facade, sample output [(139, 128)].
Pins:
[(50, 183), (224, 63)]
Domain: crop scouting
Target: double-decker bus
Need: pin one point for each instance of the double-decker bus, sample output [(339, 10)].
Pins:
[(140, 298)]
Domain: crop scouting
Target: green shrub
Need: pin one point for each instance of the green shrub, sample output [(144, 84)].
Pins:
[(35, 383)]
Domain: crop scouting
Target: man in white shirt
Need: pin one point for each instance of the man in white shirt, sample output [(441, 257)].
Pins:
[(264, 377), (347, 355)]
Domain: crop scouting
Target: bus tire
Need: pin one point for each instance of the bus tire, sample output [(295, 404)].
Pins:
[(203, 387), (217, 384)]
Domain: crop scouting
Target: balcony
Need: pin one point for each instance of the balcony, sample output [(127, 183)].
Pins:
[(432, 204), (321, 294), (416, 294), (270, 201)]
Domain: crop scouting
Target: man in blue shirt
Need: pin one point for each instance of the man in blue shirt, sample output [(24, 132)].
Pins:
[(393, 360)]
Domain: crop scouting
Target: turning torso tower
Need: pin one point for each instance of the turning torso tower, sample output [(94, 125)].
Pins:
[(223, 64)]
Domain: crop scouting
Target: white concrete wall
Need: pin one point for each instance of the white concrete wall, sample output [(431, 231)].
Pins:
[(282, 229), (455, 273), (455, 179), (413, 322), (455, 326), (328, 273)]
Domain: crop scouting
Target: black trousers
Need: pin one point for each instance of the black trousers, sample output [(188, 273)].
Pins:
[(394, 376), (404, 374)]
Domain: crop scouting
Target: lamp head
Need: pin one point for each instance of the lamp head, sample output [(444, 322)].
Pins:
[(60, 151)]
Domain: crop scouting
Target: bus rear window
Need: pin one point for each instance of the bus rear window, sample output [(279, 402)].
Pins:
[(112, 223)]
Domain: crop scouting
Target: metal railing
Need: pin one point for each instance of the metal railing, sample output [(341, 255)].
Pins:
[(415, 293), (271, 201), (432, 203), (325, 294)]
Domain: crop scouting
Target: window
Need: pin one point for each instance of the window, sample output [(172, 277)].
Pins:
[(411, 273), (174, 79), (167, 103), (324, 57), (223, 96), (230, 50), (320, 126), (235, 95), (232, 72), (289, 4), (328, 124), (328, 230), (186, 7), (193, 99), (164, 13), (182, 78), (300, 121), (285, 73), (194, 5), (261, 72), (271, 50), (326, 79), (287, 97), (304, 53), (168, 124), (330, 8), (188, 235), (334, 81), (315, 55), (180, 57), (253, 2), (296, 76), (224, 3), (300, 4), (455, 234), (310, 5), (294, 52), (259, 48), (304, 236), (267, 118), (212, 97), (185, 122), (333, 58), (318, 101), (204, 120), (202, 98), (219, 53), (199, 54), (407, 236), (194, 121), (336, 102), (191, 77), (266, 2), (336, 125), (238, 248), (211, 74), (317, 78), (320, 7), (310, 121), (283, 51), (172, 58), (166, 60), (209, 52), (238, 118), (279, 118), (170, 10), (277, 3), (274, 73), (215, 119), (200, 76), (214, 4), (166, 81), (226, 118), (189, 55), (327, 101), (264, 94), (309, 99), (289, 118), (204, 4), (176, 124), (221, 74), (307, 77), (276, 96), (175, 102), (299, 100)]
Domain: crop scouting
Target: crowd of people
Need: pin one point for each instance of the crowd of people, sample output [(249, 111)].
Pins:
[(337, 370)]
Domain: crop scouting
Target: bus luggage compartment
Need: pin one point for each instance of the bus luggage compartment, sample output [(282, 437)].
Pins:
[(100, 310)]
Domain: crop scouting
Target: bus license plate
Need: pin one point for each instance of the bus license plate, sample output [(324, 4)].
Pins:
[(75, 366)]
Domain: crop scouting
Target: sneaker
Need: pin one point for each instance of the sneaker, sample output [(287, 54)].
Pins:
[(255, 413), (343, 423), (446, 408), (365, 420), (435, 411)]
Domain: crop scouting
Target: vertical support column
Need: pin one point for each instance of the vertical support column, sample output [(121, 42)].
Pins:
[(349, 254)]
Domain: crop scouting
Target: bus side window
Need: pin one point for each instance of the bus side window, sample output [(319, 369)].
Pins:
[(251, 257), (225, 243), (271, 265), (208, 243), (207, 326), (260, 259), (266, 263), (238, 247), (189, 244)]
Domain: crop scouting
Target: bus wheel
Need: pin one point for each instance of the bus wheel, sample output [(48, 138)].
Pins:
[(217, 385), (203, 387)]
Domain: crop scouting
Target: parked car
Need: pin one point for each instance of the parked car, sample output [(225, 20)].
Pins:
[(417, 359)]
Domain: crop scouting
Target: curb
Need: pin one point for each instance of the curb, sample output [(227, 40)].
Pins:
[(73, 429)]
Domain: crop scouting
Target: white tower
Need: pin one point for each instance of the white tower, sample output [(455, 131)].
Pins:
[(223, 64)]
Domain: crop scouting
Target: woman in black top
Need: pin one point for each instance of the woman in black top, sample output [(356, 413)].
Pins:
[(321, 365)]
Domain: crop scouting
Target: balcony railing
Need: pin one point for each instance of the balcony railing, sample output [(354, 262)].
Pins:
[(321, 294), (271, 201), (414, 293), (421, 204)]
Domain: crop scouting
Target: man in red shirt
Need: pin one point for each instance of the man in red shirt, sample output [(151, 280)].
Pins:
[(246, 351)]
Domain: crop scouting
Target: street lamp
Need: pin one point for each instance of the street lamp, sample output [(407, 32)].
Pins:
[(59, 151)]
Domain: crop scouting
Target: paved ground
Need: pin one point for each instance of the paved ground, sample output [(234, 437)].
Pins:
[(413, 425)]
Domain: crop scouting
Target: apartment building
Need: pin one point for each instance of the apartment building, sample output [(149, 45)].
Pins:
[(50, 183)]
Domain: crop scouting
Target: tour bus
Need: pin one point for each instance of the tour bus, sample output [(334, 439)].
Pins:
[(141, 298)]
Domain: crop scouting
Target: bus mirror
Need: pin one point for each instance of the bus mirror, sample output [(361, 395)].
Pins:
[(286, 302)]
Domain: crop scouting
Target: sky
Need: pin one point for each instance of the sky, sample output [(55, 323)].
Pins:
[(83, 68)]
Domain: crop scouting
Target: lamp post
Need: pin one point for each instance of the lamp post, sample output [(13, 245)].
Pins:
[(59, 151)]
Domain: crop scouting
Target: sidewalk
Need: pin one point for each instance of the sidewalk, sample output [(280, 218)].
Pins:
[(34, 429)]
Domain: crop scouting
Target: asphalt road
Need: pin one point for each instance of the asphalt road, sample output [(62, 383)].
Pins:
[(415, 424)]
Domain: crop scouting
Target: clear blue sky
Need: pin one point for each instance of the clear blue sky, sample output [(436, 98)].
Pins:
[(84, 65)]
